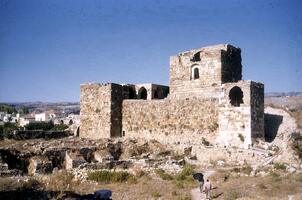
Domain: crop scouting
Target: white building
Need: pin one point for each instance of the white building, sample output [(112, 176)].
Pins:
[(23, 121), (44, 116)]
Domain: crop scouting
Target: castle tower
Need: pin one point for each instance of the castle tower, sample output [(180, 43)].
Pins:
[(101, 110), (200, 73)]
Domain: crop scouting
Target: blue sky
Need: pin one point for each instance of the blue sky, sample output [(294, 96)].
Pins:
[(48, 48)]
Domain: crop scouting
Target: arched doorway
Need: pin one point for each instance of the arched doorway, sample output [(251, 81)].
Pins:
[(142, 93), (236, 96)]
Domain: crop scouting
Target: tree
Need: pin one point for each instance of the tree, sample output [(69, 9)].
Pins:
[(45, 126)]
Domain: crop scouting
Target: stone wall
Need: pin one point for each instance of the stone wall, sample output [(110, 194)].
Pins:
[(95, 112), (164, 119), (246, 119), (116, 110), (101, 110), (215, 65), (257, 109)]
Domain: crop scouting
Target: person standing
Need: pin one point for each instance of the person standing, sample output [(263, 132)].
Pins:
[(207, 186), (201, 182)]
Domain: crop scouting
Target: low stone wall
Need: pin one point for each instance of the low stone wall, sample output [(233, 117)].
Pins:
[(35, 134), (173, 120)]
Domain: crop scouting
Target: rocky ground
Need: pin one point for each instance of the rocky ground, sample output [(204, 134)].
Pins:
[(62, 168)]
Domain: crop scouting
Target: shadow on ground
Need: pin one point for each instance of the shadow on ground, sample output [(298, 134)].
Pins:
[(43, 195), (271, 126)]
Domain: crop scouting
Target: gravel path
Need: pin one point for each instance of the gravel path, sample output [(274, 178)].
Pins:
[(195, 193)]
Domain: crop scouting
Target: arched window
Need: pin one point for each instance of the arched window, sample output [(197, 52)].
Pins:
[(236, 96), (196, 73), (142, 93)]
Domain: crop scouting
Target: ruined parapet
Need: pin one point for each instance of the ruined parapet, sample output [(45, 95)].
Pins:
[(200, 73), (101, 110), (149, 91), (241, 113), (146, 91), (39, 165)]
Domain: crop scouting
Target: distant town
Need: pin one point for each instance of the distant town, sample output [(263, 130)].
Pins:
[(38, 116)]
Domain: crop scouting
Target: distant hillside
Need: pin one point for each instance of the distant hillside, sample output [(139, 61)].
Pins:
[(63, 107), (283, 94)]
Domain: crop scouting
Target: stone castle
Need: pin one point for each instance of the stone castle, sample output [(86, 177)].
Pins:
[(206, 96)]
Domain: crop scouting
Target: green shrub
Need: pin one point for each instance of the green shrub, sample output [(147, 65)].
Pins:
[(155, 194), (179, 184), (8, 108), (59, 127), (8, 129), (234, 194), (275, 176), (247, 169), (163, 175), (45, 126), (111, 177), (186, 171), (281, 166)]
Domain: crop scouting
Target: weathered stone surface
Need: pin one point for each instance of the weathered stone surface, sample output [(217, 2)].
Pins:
[(103, 156), (207, 95), (73, 160), (39, 165)]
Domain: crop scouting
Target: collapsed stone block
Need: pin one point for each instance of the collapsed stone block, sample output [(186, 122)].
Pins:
[(103, 155), (39, 165), (73, 160)]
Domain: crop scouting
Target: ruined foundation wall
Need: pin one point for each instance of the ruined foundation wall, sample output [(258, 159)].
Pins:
[(169, 119)]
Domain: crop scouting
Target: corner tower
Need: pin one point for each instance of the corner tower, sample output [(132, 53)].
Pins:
[(200, 72), (101, 110)]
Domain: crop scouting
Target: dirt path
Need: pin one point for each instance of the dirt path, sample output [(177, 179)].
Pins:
[(195, 193)]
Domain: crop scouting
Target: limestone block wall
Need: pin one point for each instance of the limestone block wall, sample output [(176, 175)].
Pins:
[(168, 119), (100, 114), (235, 121), (215, 65)]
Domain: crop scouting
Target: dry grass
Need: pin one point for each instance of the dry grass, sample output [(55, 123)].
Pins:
[(297, 114), (145, 188), (277, 185)]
